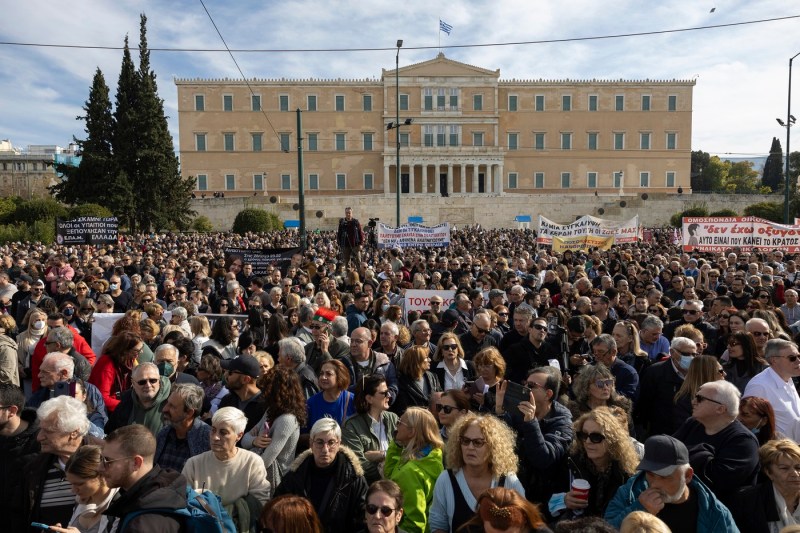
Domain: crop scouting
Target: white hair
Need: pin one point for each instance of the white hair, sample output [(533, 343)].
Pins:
[(325, 425), (232, 417), (61, 361), (70, 414), (727, 394), (698, 303)]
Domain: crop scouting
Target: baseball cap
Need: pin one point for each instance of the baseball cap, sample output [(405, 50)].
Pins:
[(245, 364), (494, 293), (449, 317), (38, 283), (663, 454), (26, 278)]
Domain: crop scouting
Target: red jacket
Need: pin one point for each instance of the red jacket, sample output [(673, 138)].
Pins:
[(110, 380), (79, 343)]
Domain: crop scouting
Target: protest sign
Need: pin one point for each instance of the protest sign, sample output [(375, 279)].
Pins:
[(562, 244), (261, 258), (717, 234), (413, 236), (625, 231), (420, 300), (87, 230)]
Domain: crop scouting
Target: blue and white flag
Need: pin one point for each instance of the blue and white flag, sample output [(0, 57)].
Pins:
[(445, 27)]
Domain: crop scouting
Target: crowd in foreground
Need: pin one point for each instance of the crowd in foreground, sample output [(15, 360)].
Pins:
[(636, 389)]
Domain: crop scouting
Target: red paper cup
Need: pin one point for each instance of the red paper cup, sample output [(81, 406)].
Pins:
[(581, 488)]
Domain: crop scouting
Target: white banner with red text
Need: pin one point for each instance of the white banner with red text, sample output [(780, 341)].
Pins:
[(718, 234), (590, 229)]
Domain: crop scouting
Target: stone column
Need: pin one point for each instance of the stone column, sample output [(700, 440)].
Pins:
[(436, 188), (411, 179), (501, 177), (475, 169), (449, 179), (463, 178), (386, 179)]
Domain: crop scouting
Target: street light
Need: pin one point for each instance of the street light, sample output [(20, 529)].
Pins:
[(397, 125), (790, 120)]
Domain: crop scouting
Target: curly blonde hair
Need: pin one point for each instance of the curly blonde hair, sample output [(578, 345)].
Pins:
[(499, 438), (618, 440), (588, 375)]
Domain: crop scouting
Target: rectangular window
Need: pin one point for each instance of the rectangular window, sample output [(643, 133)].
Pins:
[(592, 102), (512, 102), (230, 182), (285, 141), (538, 141), (341, 182), (283, 102), (199, 102), (566, 141), (404, 140), (617, 180), (619, 141), (670, 179), (512, 180), (477, 102), (228, 141), (440, 100), (255, 102), (369, 182), (339, 102), (311, 102), (202, 182), (403, 102), (313, 182), (644, 179), (441, 135), (591, 180), (477, 138), (227, 102), (200, 142), (538, 180), (645, 102), (513, 141), (644, 141), (453, 99), (258, 182), (427, 96), (313, 142), (672, 102), (340, 142), (591, 143), (619, 102), (539, 99), (566, 102), (257, 138), (428, 136), (367, 102), (565, 176), (286, 182), (672, 141), (367, 138), (455, 134)]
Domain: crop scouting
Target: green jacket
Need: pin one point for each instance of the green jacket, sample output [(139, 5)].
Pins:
[(357, 434), (416, 479)]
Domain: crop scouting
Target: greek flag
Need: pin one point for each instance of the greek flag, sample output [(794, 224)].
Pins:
[(445, 27)]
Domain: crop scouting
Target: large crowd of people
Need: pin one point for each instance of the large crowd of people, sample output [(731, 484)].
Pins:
[(640, 388)]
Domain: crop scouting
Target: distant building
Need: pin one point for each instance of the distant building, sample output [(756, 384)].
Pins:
[(28, 173), (471, 134)]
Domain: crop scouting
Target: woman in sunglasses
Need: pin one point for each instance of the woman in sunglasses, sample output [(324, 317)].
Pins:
[(594, 387), (450, 407), (723, 330), (602, 454), (743, 360), (384, 509), (451, 369), (369, 432), (480, 456)]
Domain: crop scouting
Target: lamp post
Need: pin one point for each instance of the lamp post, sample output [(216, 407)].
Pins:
[(397, 127), (790, 120)]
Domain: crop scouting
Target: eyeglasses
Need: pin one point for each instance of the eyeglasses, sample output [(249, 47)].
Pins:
[(759, 333), (449, 347), (540, 327), (143, 382), (319, 443), (502, 314), (691, 312), (533, 385), (480, 330), (700, 399), (446, 408), (105, 461), (688, 354), (384, 509), (383, 393), (603, 383), (792, 358), (180, 292), (594, 438), (724, 316), (763, 296), (316, 326), (475, 443), (721, 371), (148, 301)]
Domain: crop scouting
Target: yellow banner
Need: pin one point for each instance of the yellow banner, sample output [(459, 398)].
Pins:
[(578, 243)]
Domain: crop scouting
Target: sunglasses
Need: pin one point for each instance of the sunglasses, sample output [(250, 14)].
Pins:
[(603, 383), (143, 382), (476, 443), (594, 438), (502, 314), (700, 399), (384, 509), (446, 408), (481, 330), (759, 333), (791, 358), (724, 316), (540, 327), (449, 347), (734, 343), (691, 312)]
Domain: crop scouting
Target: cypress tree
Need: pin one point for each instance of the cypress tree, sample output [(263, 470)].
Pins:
[(126, 136), (773, 168)]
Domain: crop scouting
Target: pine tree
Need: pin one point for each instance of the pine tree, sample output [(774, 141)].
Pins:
[(125, 138), (773, 168)]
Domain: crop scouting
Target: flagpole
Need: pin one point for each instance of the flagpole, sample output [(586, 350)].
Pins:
[(440, 36)]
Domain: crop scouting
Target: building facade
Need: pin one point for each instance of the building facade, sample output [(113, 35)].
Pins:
[(29, 173), (471, 133)]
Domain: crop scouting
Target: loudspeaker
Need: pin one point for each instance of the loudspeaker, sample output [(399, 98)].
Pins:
[(601, 211), (295, 207), (320, 214), (644, 196), (623, 203), (274, 199)]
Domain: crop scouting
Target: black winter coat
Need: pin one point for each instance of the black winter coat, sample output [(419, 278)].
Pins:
[(158, 489)]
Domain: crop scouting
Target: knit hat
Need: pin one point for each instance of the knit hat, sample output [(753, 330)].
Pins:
[(324, 315)]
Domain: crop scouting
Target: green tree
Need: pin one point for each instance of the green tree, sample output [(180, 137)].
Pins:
[(773, 167), (202, 224), (256, 220), (700, 179), (714, 173), (767, 210), (89, 210), (125, 139), (740, 178)]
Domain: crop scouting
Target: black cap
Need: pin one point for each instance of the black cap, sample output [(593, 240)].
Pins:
[(26, 278), (245, 364), (449, 317), (663, 454)]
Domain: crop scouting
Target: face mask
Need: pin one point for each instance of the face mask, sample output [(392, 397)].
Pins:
[(113, 286), (69, 311), (384, 307), (165, 369), (39, 324), (686, 360), (756, 431)]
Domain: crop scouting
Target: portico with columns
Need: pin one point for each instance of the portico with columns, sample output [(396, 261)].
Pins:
[(444, 177)]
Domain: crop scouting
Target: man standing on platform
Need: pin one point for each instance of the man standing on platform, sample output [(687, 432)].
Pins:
[(350, 238)]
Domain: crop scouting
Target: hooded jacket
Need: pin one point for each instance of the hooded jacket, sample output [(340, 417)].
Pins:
[(712, 515), (130, 410), (15, 452), (344, 511), (416, 479), (158, 489)]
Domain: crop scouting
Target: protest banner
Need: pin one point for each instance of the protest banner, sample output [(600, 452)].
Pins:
[(261, 258), (562, 244), (717, 234), (87, 230), (625, 231), (420, 300), (413, 236)]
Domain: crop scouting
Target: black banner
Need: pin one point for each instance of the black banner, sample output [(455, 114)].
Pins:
[(260, 258), (87, 230)]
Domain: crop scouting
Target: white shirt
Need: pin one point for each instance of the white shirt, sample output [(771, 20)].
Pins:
[(782, 396), (786, 518), (453, 381)]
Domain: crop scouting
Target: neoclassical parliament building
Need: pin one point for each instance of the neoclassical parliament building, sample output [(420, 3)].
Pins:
[(470, 133)]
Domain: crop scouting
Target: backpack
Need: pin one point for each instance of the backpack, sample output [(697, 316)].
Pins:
[(203, 513)]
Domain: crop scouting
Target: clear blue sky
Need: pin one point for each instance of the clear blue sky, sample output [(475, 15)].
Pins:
[(741, 71)]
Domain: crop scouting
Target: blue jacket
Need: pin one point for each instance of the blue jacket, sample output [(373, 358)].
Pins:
[(198, 439), (355, 318), (712, 515)]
